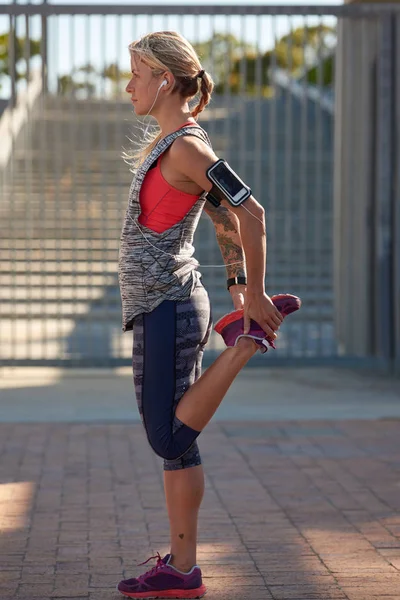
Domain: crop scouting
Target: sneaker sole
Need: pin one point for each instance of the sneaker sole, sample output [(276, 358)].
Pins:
[(286, 303), (228, 319), (182, 594)]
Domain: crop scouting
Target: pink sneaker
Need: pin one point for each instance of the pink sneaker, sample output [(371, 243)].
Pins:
[(164, 581), (231, 326)]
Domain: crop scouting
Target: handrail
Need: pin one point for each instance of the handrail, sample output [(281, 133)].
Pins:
[(13, 118)]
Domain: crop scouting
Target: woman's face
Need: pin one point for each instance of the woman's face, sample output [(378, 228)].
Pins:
[(142, 86)]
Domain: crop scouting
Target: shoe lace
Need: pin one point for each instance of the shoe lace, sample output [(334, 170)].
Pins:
[(159, 565)]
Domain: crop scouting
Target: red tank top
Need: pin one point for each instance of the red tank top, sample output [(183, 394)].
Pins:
[(162, 205)]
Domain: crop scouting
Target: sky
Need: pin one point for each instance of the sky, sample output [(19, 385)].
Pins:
[(77, 40)]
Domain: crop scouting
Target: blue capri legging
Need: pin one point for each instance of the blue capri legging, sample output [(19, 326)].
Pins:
[(168, 346)]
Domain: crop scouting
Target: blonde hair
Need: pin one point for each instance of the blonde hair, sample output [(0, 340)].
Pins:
[(169, 51)]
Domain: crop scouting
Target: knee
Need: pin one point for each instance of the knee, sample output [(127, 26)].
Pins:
[(163, 445), (167, 441), (165, 451)]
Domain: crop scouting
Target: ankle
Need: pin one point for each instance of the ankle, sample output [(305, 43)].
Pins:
[(246, 346), (182, 564)]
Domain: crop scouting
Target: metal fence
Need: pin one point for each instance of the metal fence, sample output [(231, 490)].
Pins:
[(64, 185)]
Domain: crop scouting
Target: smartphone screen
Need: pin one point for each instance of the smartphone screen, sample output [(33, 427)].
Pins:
[(227, 180)]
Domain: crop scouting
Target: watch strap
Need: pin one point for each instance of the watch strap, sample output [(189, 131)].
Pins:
[(240, 280)]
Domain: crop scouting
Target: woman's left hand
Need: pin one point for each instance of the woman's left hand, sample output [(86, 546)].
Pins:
[(238, 293)]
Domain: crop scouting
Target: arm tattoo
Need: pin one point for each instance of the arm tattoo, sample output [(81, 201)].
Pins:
[(227, 231)]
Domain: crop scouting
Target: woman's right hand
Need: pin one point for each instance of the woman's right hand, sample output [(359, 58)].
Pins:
[(260, 308)]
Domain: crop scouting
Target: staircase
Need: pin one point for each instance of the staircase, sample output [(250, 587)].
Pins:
[(63, 199)]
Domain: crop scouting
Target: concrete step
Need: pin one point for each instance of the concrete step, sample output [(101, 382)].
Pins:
[(45, 273), (90, 287), (112, 313), (315, 257)]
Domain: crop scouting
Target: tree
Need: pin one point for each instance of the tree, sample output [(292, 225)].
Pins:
[(70, 84), (20, 43), (303, 47), (219, 55), (239, 67), (236, 66), (323, 74), (116, 76), (298, 53)]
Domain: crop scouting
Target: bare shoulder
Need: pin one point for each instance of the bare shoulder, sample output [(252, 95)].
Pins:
[(192, 157), (192, 145)]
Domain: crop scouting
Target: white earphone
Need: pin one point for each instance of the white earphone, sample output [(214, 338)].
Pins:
[(165, 82)]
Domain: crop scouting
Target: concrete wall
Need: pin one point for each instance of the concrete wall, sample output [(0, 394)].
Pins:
[(366, 187), (353, 182)]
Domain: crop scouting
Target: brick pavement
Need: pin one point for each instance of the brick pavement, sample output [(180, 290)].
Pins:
[(292, 510)]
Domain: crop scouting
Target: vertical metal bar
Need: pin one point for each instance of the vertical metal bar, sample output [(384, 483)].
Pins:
[(44, 42), (303, 220), (89, 294), (338, 181), (242, 99), (12, 58), (27, 49), (46, 216), (12, 197), (384, 214), (273, 216), (28, 166), (104, 226), (243, 96), (362, 250), (334, 345), (212, 274), (72, 221), (348, 212), (230, 112), (59, 239), (118, 136), (320, 202), (227, 92), (396, 253), (258, 99), (288, 185)]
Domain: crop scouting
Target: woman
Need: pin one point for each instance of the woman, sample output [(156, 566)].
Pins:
[(163, 299)]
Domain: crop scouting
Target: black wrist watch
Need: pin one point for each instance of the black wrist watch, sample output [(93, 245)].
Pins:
[(235, 281)]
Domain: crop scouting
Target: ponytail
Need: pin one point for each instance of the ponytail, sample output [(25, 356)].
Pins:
[(206, 87)]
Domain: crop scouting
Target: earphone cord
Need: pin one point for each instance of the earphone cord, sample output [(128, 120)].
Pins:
[(155, 100)]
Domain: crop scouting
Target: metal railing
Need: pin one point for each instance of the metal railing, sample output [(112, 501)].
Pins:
[(274, 117)]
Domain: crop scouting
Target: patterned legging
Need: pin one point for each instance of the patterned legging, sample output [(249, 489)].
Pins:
[(168, 346)]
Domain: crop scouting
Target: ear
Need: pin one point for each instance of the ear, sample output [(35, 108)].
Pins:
[(169, 79)]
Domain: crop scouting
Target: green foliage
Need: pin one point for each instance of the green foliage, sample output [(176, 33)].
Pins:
[(20, 50), (250, 74), (291, 48), (238, 68), (69, 84), (114, 73), (323, 75), (219, 55)]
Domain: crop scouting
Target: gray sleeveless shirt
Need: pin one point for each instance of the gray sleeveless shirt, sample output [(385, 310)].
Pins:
[(154, 267)]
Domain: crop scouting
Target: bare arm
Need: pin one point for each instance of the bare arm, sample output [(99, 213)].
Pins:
[(193, 157), (227, 230)]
